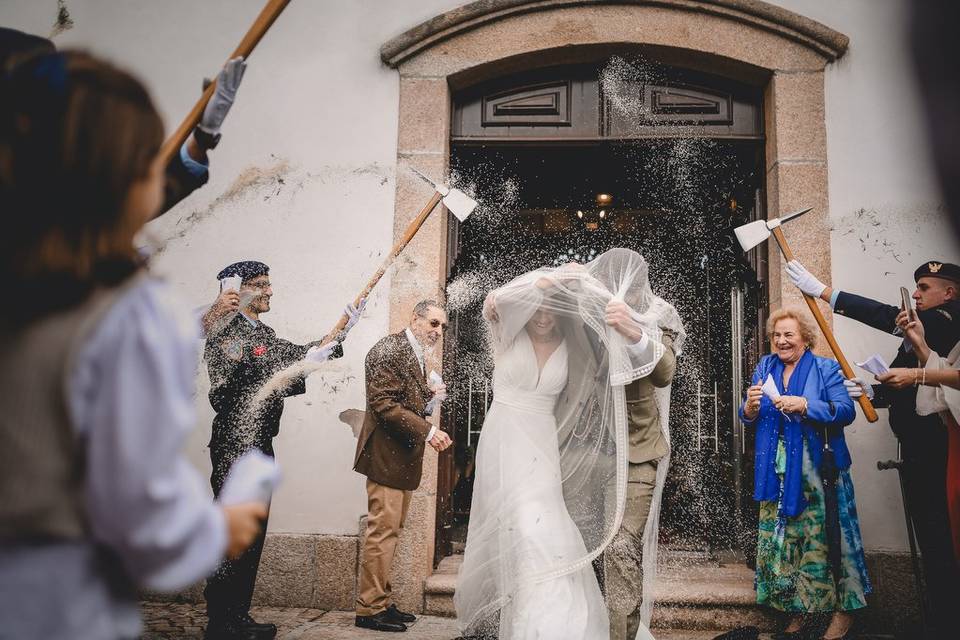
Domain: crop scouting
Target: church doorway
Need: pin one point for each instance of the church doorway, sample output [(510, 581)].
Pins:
[(570, 162)]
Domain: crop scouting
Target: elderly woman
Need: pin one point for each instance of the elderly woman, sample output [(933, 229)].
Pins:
[(799, 417)]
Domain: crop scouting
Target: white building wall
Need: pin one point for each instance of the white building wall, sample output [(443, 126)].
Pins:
[(304, 180)]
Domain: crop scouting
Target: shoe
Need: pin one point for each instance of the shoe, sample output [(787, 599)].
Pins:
[(740, 633), (395, 615), (379, 622), (230, 632), (264, 630)]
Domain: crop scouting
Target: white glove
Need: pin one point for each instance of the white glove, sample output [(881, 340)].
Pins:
[(353, 314), (223, 96), (856, 387), (321, 353), (804, 280)]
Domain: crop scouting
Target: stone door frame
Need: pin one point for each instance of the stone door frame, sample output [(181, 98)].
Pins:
[(751, 40)]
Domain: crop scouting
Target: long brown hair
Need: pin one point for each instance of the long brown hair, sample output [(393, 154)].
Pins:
[(75, 134)]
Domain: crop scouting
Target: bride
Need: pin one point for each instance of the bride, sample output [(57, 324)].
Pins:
[(551, 466)]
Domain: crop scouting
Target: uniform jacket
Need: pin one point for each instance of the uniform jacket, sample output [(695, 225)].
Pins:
[(179, 183), (240, 359), (942, 327), (394, 433)]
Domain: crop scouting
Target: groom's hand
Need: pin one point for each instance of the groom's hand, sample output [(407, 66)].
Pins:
[(619, 316)]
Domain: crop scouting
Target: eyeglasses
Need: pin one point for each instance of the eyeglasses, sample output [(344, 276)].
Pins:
[(437, 323)]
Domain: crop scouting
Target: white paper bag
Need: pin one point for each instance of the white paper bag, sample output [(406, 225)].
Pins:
[(770, 388)]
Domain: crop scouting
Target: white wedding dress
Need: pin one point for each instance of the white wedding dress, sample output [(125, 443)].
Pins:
[(551, 464), (519, 478)]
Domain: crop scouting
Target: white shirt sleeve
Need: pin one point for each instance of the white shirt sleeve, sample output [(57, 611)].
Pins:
[(433, 432), (131, 396)]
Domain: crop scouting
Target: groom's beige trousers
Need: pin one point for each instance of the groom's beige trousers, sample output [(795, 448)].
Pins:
[(623, 575), (386, 511)]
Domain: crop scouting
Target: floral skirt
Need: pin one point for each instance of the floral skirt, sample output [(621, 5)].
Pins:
[(793, 572)]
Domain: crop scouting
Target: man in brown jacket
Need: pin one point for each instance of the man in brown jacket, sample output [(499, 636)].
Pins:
[(390, 453)]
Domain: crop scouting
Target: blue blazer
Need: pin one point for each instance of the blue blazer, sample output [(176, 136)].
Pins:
[(829, 409)]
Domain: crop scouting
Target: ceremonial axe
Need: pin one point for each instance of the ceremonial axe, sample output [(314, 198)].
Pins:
[(752, 234), (457, 202)]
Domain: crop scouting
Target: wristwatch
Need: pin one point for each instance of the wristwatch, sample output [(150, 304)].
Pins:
[(204, 139)]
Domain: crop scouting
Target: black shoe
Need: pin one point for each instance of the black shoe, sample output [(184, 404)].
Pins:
[(740, 633), (379, 622), (230, 632), (395, 615), (264, 630)]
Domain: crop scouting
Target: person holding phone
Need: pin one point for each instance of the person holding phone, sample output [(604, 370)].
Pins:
[(241, 358), (923, 439)]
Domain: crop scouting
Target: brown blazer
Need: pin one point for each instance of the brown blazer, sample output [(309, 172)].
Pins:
[(393, 438)]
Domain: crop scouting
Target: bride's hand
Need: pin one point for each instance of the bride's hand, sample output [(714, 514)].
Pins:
[(490, 308)]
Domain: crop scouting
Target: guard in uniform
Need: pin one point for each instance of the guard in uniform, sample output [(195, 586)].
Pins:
[(923, 439), (241, 357)]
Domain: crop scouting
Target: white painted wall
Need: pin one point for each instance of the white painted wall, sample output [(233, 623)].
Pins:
[(318, 110), (886, 212)]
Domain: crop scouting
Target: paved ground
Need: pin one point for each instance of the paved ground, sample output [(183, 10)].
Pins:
[(166, 621)]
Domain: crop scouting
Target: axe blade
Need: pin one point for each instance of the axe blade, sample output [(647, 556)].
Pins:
[(751, 234), (459, 204)]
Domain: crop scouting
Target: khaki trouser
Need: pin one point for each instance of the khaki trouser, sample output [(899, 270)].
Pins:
[(386, 511), (623, 573)]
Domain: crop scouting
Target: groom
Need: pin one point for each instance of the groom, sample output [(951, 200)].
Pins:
[(621, 564), (390, 453)]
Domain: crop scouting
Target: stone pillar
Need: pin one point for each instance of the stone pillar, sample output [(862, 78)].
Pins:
[(796, 164), (423, 143)]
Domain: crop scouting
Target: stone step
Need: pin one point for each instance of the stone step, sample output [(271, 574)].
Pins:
[(692, 593)]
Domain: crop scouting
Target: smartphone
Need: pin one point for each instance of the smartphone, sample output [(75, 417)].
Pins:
[(906, 303)]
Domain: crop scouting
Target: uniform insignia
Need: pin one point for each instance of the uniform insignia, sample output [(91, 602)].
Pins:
[(934, 267), (259, 350), (233, 349), (946, 314)]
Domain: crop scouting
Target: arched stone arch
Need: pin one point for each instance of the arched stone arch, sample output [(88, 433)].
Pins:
[(776, 49)]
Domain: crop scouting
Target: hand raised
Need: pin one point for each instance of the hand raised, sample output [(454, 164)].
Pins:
[(619, 316), (752, 405), (490, 308)]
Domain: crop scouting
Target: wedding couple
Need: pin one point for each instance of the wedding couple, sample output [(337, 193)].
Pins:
[(571, 461)]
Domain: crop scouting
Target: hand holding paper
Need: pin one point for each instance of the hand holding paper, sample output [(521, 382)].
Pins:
[(770, 388), (875, 364)]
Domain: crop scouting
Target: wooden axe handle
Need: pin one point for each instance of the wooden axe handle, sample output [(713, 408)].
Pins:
[(264, 21), (865, 404), (411, 231)]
